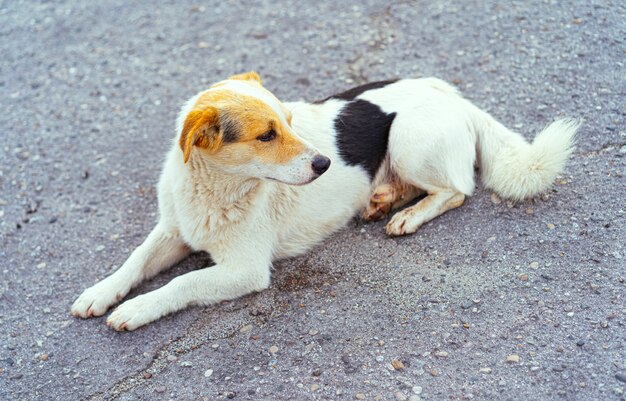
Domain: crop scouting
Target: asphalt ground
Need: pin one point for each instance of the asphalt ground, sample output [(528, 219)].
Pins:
[(89, 95)]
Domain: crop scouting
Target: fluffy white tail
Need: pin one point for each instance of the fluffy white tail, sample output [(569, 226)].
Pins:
[(516, 169)]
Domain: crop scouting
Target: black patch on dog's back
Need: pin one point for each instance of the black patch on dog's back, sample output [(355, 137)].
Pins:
[(352, 94), (362, 134)]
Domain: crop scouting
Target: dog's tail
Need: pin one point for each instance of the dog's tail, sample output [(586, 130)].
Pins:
[(516, 169)]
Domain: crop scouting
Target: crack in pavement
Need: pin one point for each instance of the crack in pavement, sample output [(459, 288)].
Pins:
[(605, 148), (182, 345)]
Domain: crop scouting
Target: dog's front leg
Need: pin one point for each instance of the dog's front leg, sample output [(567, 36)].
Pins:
[(160, 250), (201, 287)]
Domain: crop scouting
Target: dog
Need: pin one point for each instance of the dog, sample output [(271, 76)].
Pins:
[(251, 180)]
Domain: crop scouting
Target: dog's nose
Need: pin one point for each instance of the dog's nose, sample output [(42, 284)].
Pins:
[(320, 164)]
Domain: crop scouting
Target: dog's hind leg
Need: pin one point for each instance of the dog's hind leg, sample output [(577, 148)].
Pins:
[(434, 204), (162, 249), (389, 196), (434, 150)]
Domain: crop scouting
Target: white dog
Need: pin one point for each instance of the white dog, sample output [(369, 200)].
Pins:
[(233, 183)]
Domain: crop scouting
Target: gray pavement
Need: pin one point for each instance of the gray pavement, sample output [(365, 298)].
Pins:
[(89, 94)]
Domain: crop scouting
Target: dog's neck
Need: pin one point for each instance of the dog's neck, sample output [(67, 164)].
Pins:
[(218, 188)]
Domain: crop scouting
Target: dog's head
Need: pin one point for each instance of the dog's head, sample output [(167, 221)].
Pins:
[(245, 130)]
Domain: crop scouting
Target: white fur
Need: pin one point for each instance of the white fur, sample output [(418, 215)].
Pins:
[(245, 222)]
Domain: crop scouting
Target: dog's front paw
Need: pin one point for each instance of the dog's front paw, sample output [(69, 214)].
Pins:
[(96, 300), (134, 313)]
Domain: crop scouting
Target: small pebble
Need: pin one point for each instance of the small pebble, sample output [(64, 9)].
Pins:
[(415, 398), (245, 328), (315, 387), (512, 358), (580, 343), (621, 377), (41, 265), (208, 373), (43, 357), (273, 349), (529, 211), (441, 354), (417, 390), (160, 389), (523, 277), (313, 332), (171, 358), (434, 372), (147, 375), (186, 364), (359, 396), (397, 364), (534, 265), (550, 226), (400, 396), (495, 199), (485, 370)]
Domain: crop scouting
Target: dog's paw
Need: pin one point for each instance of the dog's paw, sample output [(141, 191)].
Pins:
[(402, 223), (376, 211), (96, 300), (385, 193), (134, 313), (381, 202)]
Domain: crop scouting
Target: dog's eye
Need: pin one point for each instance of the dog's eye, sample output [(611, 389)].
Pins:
[(268, 136)]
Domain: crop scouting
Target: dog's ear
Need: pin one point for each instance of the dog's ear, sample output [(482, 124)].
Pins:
[(201, 128), (248, 76)]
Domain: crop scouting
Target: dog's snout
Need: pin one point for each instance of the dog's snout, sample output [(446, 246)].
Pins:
[(320, 164)]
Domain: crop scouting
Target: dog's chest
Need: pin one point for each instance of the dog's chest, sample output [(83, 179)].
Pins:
[(209, 225), (204, 229)]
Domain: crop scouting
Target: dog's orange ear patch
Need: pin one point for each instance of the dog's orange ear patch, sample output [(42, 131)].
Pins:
[(200, 129), (248, 76)]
